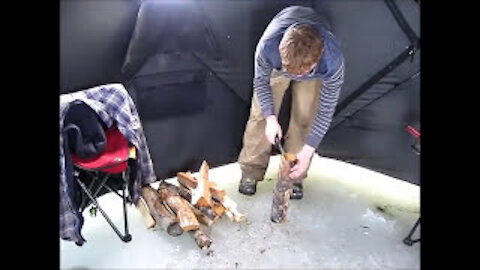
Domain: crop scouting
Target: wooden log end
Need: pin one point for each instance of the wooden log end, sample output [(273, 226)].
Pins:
[(175, 230), (218, 209), (187, 180), (202, 239), (142, 207), (188, 222), (201, 202)]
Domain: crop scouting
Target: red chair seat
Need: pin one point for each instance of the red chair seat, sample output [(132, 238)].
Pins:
[(113, 159)]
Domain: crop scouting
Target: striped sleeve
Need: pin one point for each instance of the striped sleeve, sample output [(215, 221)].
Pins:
[(327, 102), (261, 82)]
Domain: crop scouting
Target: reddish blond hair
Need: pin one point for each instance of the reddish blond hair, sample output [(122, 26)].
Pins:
[(300, 48)]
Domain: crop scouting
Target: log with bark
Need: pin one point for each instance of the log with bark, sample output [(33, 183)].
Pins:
[(220, 203), (202, 218), (179, 206), (203, 214), (197, 199), (283, 189), (186, 212), (202, 239), (162, 216), (184, 193)]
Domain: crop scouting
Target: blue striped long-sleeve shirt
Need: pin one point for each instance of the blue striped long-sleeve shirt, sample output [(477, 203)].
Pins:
[(330, 67)]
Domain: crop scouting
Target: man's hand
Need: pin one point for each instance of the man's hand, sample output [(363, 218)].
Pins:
[(272, 129), (303, 158)]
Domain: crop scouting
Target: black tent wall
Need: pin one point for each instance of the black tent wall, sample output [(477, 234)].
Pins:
[(381, 94), (95, 38)]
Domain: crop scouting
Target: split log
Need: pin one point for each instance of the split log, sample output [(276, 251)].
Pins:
[(204, 214), (218, 208), (185, 215), (201, 194), (220, 203), (186, 179), (204, 170), (202, 239), (208, 212), (145, 212), (189, 181), (225, 206), (283, 189), (165, 219), (231, 210), (201, 217), (217, 191), (184, 193)]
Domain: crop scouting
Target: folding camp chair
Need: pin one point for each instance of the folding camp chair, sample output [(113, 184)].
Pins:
[(112, 161), (416, 148)]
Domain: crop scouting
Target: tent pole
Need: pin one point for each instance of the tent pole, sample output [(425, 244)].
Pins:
[(374, 79), (397, 14), (395, 86), (409, 52)]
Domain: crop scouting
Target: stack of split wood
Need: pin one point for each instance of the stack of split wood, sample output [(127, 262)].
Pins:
[(181, 208)]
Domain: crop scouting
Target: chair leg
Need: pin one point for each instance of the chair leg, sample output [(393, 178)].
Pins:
[(126, 237), (408, 240), (84, 202), (114, 191), (102, 184)]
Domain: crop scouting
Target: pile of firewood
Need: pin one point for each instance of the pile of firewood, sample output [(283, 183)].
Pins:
[(181, 208)]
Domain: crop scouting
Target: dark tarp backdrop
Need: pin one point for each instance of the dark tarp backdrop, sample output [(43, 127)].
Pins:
[(189, 67)]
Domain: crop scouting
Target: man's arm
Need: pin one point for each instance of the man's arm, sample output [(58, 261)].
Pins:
[(326, 107), (261, 81), (263, 93), (327, 102)]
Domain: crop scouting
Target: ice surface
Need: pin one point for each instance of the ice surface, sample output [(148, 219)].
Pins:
[(349, 218)]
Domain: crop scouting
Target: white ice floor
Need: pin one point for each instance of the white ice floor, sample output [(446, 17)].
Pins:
[(337, 225)]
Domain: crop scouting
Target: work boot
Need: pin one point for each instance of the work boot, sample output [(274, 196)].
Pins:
[(297, 191), (247, 186)]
